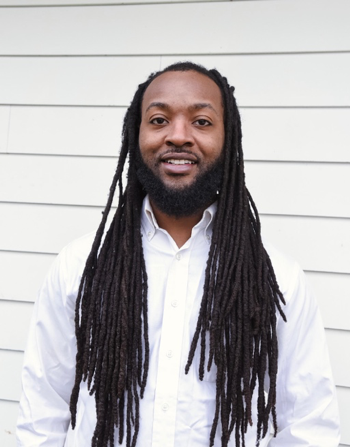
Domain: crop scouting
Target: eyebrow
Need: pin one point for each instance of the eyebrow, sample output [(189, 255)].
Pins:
[(196, 106), (160, 105)]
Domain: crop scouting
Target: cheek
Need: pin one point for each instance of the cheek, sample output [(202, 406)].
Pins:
[(144, 143), (215, 146), (148, 150), (150, 153), (220, 141), (141, 136)]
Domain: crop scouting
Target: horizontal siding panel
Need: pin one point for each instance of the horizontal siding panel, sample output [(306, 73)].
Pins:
[(65, 130), (283, 80), (321, 244), (112, 29), (344, 409), (16, 265), (287, 80), (83, 3), (90, 2), (300, 188), (14, 324), (44, 228), (11, 368), (73, 81), (4, 127), (61, 180), (278, 188), (296, 134), (333, 296), (339, 351), (268, 134), (8, 419)]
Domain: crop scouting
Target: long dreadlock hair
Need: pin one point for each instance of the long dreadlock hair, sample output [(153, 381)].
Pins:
[(240, 299)]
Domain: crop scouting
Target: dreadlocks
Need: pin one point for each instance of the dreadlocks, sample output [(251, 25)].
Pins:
[(238, 309)]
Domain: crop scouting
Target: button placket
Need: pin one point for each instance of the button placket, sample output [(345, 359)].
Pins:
[(170, 349)]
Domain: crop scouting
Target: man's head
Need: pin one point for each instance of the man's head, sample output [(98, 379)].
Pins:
[(181, 141)]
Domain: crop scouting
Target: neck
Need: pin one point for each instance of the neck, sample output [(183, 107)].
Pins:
[(179, 228)]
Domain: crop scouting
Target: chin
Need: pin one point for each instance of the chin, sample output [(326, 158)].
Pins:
[(182, 197), (177, 184)]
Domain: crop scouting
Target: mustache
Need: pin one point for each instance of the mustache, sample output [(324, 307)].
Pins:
[(178, 150)]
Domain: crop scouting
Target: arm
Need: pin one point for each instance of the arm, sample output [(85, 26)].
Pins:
[(307, 411), (49, 362)]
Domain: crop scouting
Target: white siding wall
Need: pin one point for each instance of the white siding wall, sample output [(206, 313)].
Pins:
[(69, 68)]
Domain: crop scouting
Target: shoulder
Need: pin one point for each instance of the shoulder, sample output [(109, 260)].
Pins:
[(300, 301), (290, 276), (79, 249), (285, 267), (67, 269)]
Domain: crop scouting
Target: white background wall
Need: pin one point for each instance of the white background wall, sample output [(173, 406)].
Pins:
[(68, 70)]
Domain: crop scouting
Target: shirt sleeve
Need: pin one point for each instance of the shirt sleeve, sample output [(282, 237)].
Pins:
[(49, 361), (307, 410)]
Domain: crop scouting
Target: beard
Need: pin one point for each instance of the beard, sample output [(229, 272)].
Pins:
[(184, 201)]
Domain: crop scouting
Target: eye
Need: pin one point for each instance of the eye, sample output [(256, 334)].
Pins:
[(158, 121), (203, 122)]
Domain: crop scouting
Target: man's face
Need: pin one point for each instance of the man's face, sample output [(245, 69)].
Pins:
[(182, 127)]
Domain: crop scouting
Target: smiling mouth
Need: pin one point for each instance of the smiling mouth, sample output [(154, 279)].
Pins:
[(174, 161)]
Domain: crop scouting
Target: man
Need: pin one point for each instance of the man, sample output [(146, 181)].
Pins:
[(186, 332)]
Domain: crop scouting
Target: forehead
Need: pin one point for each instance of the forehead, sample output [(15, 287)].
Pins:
[(183, 89)]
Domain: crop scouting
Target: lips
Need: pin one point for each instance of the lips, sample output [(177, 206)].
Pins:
[(176, 157), (178, 163), (174, 161)]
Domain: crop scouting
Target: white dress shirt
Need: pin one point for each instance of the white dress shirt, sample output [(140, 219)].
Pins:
[(177, 409)]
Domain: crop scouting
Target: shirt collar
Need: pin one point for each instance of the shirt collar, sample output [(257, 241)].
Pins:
[(150, 225)]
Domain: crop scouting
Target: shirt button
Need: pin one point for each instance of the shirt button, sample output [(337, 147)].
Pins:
[(149, 234), (165, 407), (178, 256), (169, 353), (174, 303), (208, 237)]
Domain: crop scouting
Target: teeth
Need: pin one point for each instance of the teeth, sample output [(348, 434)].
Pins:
[(174, 161)]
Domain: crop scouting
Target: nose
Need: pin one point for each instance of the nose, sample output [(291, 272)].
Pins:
[(179, 134)]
